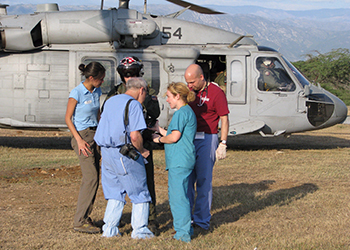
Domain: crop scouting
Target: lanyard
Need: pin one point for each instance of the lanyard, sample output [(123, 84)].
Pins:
[(201, 99)]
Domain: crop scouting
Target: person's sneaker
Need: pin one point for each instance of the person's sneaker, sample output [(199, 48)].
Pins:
[(88, 228), (198, 229)]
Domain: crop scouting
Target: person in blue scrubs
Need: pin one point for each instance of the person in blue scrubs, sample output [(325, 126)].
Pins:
[(180, 156), (84, 107), (121, 173)]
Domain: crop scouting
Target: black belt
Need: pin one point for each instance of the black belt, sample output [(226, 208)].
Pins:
[(92, 128)]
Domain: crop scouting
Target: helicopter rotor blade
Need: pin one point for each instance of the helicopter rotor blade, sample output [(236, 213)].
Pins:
[(195, 7)]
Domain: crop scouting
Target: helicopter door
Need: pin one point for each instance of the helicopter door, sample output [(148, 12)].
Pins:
[(236, 85), (274, 93)]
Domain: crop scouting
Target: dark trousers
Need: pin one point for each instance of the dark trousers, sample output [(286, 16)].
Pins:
[(150, 180), (90, 169)]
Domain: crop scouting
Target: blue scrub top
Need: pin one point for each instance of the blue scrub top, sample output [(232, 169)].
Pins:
[(88, 105), (182, 153), (110, 131)]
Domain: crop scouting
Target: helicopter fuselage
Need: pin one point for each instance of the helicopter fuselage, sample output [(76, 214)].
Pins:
[(41, 53)]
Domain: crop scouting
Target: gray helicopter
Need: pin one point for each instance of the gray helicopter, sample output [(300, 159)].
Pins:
[(40, 54)]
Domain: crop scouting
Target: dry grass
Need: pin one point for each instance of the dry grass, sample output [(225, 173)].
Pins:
[(269, 193)]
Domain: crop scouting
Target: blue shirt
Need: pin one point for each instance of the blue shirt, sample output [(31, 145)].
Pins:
[(182, 153), (88, 105), (111, 130)]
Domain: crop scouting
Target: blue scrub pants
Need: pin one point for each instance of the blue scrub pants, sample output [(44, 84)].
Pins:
[(179, 202), (139, 220), (121, 175), (202, 176)]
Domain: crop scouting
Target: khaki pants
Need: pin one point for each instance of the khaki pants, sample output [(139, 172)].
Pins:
[(90, 169)]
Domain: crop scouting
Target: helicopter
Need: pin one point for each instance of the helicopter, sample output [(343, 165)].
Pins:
[(40, 54)]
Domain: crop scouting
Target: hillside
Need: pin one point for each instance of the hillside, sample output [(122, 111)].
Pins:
[(293, 33)]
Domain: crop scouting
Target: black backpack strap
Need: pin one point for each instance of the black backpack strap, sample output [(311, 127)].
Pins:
[(126, 117), (112, 92)]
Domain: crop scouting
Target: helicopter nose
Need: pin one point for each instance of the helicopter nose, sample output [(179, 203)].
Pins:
[(340, 111)]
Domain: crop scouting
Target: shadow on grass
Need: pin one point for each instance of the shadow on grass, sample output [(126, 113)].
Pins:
[(36, 142), (244, 142), (244, 195), (295, 142)]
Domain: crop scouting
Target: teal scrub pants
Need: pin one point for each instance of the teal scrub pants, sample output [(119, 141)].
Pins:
[(179, 202)]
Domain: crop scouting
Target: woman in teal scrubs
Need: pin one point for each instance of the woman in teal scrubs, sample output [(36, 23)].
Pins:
[(180, 155)]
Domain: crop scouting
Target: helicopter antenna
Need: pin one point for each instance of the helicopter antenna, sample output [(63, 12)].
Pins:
[(236, 41), (195, 7), (239, 39), (101, 4), (145, 7), (178, 13)]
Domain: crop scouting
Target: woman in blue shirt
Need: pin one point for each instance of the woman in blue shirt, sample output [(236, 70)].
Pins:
[(82, 116), (180, 155)]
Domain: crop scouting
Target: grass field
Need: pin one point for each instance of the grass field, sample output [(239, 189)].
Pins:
[(269, 193)]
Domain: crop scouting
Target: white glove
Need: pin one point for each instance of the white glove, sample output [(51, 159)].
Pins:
[(221, 151)]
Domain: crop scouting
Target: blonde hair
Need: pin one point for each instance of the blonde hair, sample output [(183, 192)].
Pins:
[(180, 88)]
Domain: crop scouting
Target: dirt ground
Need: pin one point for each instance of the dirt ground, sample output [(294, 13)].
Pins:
[(37, 204), (33, 198), (61, 140)]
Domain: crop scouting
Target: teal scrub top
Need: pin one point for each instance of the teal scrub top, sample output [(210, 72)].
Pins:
[(182, 153)]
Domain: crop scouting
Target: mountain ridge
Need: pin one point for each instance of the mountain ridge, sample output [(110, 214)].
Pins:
[(294, 33)]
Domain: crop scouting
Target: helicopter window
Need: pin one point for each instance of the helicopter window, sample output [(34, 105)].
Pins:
[(273, 76), (296, 72), (237, 75), (152, 75), (110, 66)]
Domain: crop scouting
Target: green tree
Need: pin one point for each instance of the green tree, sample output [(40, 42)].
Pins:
[(331, 70)]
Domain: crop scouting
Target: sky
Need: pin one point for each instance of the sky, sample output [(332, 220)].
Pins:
[(274, 4)]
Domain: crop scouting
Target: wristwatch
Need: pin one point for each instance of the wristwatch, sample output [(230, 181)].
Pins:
[(223, 141)]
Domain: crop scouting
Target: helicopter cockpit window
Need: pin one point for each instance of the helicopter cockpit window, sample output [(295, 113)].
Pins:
[(303, 81), (273, 76), (110, 67)]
